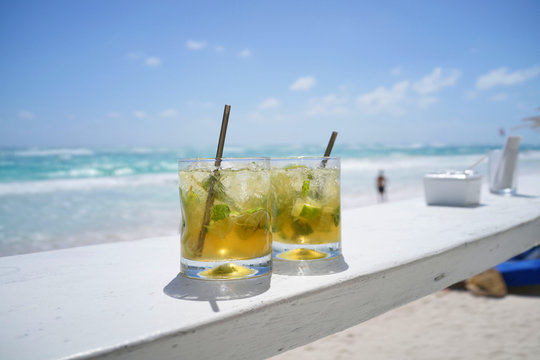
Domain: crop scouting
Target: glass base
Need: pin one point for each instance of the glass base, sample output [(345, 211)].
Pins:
[(310, 268), (226, 269), (507, 191), (305, 252)]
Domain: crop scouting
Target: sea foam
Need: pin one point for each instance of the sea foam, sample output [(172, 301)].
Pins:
[(47, 186), (54, 152)]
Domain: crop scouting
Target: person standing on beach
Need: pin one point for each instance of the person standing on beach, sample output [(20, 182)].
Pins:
[(381, 186)]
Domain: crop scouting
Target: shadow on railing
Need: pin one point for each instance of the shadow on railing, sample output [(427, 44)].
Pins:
[(213, 290), (525, 196), (310, 267), (218, 290), (475, 206)]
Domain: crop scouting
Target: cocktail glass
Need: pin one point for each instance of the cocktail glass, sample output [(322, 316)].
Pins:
[(502, 177), (233, 240), (306, 211)]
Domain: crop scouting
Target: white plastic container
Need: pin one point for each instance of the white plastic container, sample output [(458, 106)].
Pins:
[(452, 188)]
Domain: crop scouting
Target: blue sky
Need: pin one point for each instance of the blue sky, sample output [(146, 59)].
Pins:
[(122, 73)]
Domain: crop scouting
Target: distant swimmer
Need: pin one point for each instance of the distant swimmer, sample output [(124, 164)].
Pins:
[(381, 186)]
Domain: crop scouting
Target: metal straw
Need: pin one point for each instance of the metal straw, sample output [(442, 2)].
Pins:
[(329, 148), (213, 178)]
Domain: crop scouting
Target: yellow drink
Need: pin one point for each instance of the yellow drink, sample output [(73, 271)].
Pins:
[(306, 211), (238, 228)]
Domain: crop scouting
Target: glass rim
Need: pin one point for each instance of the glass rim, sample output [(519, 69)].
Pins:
[(283, 158), (226, 159)]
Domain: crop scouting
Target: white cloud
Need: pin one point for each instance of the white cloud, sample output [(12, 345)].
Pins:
[(139, 114), (152, 61), (244, 53), (114, 115), (502, 76), (25, 115), (437, 80), (266, 117), (195, 45), (141, 58), (328, 105), (383, 100), (303, 83), (398, 70), (404, 95), (499, 97), (219, 49), (270, 103), (169, 113)]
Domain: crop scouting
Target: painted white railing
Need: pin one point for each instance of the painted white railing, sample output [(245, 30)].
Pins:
[(126, 301)]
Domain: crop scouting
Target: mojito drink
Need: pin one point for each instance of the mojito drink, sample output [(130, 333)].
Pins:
[(306, 212), (236, 242)]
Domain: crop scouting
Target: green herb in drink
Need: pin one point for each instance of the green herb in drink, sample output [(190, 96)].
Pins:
[(305, 205), (305, 188), (189, 196), (220, 212), (254, 210), (337, 215), (301, 227)]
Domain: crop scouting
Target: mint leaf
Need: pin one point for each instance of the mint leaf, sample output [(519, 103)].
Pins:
[(305, 188), (336, 215), (219, 189), (220, 212), (252, 219), (254, 210), (301, 227)]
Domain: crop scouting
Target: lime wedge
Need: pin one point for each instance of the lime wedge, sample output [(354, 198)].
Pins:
[(302, 254), (227, 271), (189, 197), (310, 212)]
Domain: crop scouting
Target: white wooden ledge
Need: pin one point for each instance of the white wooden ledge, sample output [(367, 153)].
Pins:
[(125, 301)]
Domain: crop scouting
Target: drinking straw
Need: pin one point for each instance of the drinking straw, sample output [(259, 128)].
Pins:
[(477, 162), (213, 178), (329, 148)]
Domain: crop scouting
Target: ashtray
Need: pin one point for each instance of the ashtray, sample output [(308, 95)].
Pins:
[(452, 188)]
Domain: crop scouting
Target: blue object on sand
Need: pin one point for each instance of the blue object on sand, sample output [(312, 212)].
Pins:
[(523, 269)]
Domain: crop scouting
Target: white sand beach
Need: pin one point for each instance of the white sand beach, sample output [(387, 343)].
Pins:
[(449, 324)]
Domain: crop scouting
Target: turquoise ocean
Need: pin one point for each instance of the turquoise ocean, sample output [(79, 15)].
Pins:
[(54, 198)]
